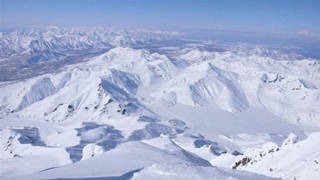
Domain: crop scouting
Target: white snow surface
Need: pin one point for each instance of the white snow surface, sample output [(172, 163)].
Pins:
[(132, 114)]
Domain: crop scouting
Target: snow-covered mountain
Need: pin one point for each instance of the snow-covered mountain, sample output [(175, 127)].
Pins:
[(30, 52), (64, 39), (167, 112)]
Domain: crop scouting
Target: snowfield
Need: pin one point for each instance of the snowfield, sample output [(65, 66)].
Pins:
[(168, 113)]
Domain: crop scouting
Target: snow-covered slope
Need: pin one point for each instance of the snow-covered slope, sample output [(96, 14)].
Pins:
[(294, 160), (128, 113)]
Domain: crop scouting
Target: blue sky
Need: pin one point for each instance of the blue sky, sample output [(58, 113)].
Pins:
[(273, 16)]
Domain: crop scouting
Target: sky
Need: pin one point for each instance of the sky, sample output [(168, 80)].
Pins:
[(271, 16)]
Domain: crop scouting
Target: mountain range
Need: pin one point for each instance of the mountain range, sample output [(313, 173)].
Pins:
[(81, 103)]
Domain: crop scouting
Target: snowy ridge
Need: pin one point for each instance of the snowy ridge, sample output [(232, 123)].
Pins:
[(62, 39), (287, 156), (31, 52), (155, 118)]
